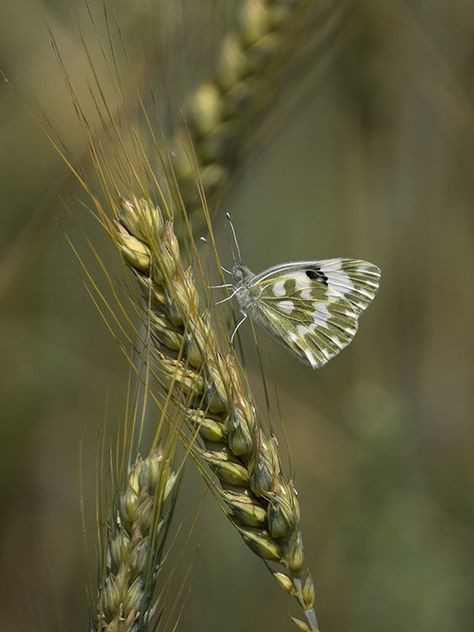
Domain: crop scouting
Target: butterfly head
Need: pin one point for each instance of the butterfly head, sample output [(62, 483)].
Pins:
[(241, 275)]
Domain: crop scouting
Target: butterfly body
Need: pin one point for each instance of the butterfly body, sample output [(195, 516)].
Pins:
[(246, 292), (312, 307)]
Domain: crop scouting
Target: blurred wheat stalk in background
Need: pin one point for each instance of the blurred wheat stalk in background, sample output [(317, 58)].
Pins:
[(223, 117)]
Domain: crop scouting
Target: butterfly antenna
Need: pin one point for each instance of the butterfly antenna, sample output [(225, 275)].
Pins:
[(234, 236)]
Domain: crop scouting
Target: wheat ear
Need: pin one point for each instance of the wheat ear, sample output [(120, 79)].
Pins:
[(216, 401), (136, 533)]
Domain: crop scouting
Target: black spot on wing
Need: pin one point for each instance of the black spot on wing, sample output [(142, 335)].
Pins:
[(315, 273)]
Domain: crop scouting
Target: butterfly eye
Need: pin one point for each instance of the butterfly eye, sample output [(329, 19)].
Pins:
[(237, 272)]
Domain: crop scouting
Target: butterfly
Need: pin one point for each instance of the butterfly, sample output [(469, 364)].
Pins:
[(311, 307)]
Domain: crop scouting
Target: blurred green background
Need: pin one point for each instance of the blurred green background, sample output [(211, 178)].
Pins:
[(375, 163)]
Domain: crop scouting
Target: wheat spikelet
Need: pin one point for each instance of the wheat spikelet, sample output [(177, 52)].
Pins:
[(211, 390)]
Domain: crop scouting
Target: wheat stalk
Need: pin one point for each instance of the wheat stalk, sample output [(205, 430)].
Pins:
[(211, 390)]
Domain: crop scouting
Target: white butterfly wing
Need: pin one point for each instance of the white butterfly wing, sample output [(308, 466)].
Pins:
[(313, 306)]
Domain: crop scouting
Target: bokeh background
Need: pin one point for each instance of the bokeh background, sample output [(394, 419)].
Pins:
[(374, 162)]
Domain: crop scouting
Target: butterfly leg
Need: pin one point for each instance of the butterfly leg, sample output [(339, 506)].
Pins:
[(227, 297), (237, 326)]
